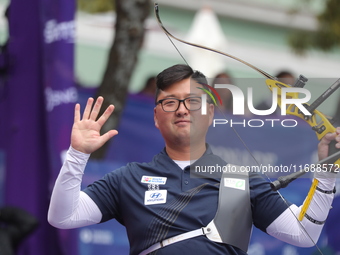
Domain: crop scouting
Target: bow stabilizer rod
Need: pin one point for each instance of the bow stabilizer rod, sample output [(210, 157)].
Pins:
[(283, 181), (324, 96)]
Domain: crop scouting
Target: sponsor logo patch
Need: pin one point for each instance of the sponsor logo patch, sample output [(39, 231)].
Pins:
[(153, 197), (235, 183), (153, 180)]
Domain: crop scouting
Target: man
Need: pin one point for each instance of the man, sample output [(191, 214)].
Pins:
[(158, 200)]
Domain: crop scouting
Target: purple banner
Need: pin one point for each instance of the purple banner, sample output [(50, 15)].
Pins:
[(37, 104), (58, 62), (60, 92)]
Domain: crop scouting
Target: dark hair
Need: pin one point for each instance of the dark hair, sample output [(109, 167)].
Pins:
[(175, 74), (149, 84), (283, 74), (223, 78)]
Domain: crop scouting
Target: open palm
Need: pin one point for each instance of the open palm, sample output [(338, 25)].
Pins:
[(85, 135)]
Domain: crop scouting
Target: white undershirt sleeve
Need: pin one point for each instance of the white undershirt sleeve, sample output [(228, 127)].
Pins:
[(305, 233), (69, 206)]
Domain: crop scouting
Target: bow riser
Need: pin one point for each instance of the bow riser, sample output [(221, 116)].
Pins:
[(317, 120)]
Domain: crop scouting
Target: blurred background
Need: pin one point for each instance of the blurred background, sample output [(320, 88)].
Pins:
[(56, 53)]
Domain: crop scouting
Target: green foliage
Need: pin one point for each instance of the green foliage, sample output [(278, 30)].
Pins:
[(329, 31), (326, 37), (96, 6)]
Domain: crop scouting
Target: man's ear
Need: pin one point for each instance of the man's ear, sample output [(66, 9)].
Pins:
[(211, 110), (155, 117)]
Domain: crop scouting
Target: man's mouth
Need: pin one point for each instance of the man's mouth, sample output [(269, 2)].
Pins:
[(182, 121)]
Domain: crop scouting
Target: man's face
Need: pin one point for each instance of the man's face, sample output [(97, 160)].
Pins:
[(183, 127)]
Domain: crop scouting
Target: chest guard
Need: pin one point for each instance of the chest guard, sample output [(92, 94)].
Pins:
[(233, 220)]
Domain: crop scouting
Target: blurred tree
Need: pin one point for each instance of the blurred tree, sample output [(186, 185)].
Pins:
[(326, 37), (123, 55)]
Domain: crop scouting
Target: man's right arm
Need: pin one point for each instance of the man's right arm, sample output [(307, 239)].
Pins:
[(69, 206)]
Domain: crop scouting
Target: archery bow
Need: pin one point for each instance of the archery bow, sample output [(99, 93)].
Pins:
[(318, 121)]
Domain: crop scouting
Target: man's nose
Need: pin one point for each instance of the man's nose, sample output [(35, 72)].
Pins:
[(182, 109)]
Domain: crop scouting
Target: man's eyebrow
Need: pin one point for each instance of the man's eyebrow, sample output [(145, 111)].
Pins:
[(170, 96), (186, 95)]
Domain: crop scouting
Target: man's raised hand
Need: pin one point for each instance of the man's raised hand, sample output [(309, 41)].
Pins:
[(326, 140), (85, 135)]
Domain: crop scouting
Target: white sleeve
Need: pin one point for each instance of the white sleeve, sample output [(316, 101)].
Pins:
[(69, 206), (305, 233)]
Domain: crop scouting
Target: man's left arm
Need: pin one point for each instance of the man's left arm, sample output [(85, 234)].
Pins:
[(302, 226)]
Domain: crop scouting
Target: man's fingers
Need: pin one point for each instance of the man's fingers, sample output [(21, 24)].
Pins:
[(328, 138), (109, 110), (87, 111), (337, 145), (337, 138), (108, 135), (92, 113), (96, 108), (77, 113)]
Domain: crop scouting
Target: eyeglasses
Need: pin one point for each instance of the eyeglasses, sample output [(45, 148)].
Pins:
[(172, 104)]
